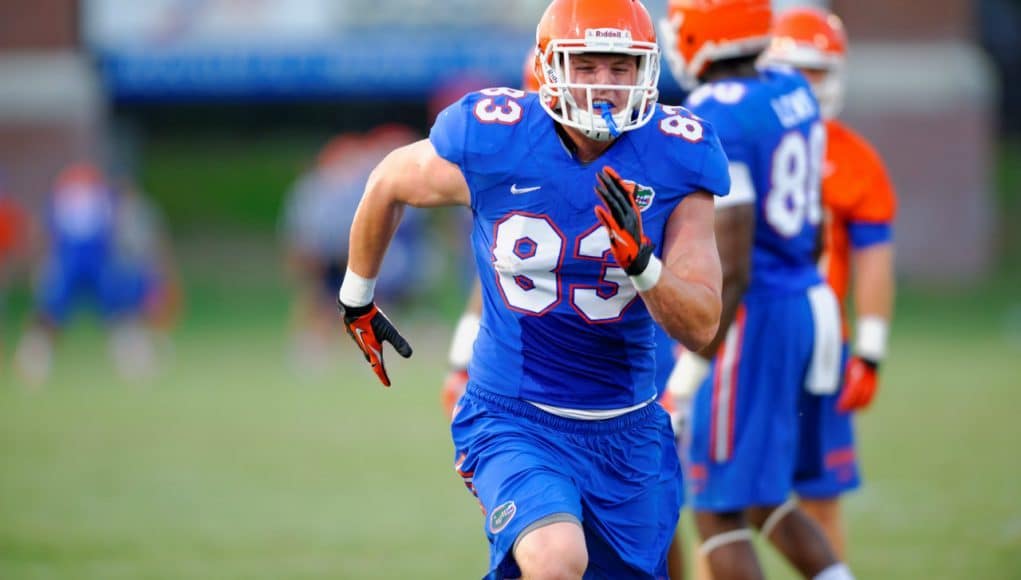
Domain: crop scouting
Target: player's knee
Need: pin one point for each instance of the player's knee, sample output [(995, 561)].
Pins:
[(767, 519), (721, 529), (552, 552), (711, 523)]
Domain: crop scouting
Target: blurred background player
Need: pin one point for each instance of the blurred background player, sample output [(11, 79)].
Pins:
[(317, 216), (144, 256), (779, 332), (83, 260), (15, 235), (15, 227), (859, 203)]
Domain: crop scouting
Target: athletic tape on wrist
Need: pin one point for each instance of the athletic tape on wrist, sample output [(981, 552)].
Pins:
[(463, 343), (355, 290), (650, 276), (870, 337)]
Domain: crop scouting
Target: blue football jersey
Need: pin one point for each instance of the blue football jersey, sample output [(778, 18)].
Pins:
[(81, 220), (769, 126), (561, 323)]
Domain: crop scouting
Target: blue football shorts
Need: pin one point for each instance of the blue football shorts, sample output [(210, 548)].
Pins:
[(746, 446), (619, 478), (834, 432), (112, 290)]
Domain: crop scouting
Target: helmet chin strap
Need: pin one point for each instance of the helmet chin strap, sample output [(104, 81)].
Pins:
[(608, 117)]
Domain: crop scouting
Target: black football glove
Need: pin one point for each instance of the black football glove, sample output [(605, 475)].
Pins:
[(623, 221), (369, 327)]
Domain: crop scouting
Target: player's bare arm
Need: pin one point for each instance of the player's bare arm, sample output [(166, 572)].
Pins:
[(735, 228), (873, 267), (874, 290), (685, 296), (411, 175), (687, 300)]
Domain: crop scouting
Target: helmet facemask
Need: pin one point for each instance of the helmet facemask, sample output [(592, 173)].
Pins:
[(829, 89), (830, 92), (595, 122)]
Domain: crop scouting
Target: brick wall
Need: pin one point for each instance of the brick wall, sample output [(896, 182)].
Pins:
[(38, 24)]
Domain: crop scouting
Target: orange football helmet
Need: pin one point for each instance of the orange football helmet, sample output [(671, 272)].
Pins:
[(79, 174), (697, 33), (337, 150), (570, 27), (812, 39)]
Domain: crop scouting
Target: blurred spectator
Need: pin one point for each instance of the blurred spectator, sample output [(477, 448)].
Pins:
[(144, 254), (317, 216), (85, 222), (15, 225), (14, 235)]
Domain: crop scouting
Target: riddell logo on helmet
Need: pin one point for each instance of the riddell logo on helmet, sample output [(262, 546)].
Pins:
[(605, 34)]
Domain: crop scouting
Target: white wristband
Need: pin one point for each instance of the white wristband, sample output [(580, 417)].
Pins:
[(463, 343), (870, 337), (356, 291), (689, 372), (650, 276)]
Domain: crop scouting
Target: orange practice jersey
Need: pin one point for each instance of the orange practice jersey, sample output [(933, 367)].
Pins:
[(858, 199)]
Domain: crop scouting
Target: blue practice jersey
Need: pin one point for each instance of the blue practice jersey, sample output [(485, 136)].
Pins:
[(81, 220), (561, 323), (770, 128)]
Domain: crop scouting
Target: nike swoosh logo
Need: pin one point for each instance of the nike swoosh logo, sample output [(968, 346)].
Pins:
[(365, 345), (518, 191)]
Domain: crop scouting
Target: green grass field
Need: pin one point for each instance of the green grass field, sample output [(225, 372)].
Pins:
[(228, 467)]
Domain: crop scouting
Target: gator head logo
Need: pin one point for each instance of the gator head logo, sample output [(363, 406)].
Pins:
[(501, 516), (643, 195)]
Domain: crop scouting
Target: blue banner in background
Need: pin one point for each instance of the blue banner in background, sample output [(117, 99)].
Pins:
[(392, 63)]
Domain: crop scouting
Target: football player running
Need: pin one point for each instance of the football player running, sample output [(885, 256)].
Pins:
[(467, 329), (557, 433), (779, 331), (144, 255), (860, 204)]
